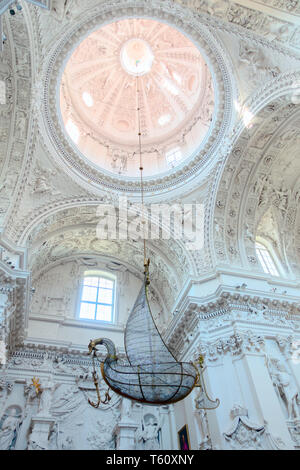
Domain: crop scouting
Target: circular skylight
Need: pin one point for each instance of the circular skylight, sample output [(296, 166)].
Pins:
[(136, 57)]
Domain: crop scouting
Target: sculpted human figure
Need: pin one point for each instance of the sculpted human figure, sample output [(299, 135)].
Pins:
[(67, 443), (149, 435), (21, 125), (286, 387), (289, 390), (203, 424), (48, 388), (9, 429)]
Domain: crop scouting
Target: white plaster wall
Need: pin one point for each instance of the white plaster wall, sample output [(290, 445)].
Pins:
[(54, 314)]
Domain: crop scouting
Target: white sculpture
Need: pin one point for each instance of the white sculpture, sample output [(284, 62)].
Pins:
[(48, 388), (67, 443), (285, 386), (9, 428), (148, 436)]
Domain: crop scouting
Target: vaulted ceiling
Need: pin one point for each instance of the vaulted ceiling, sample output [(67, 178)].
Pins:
[(245, 171)]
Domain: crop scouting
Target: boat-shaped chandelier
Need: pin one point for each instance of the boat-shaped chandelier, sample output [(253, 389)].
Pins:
[(150, 374)]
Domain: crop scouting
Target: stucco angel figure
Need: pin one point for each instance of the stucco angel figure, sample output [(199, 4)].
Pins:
[(148, 435), (9, 427)]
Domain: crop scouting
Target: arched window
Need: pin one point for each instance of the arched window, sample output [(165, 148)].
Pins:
[(173, 156), (266, 259), (97, 297)]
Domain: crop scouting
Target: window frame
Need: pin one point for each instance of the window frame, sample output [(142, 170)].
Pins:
[(173, 151), (102, 275), (269, 249)]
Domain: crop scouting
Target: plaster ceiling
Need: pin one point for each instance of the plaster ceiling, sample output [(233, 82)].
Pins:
[(72, 234), (129, 64)]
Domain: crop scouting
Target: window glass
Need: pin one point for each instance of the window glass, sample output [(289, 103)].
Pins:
[(266, 259), (97, 298), (173, 156)]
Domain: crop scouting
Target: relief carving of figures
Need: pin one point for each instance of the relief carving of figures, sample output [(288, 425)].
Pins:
[(67, 443), (281, 197), (33, 445), (9, 427), (284, 344), (23, 60), (48, 388), (148, 436), (285, 386), (277, 30), (5, 388), (21, 124), (103, 438), (42, 181), (53, 437), (5, 68), (253, 57), (219, 229), (217, 7), (66, 399), (294, 429), (249, 234), (201, 418), (119, 161), (59, 440), (276, 195), (245, 17), (39, 437)]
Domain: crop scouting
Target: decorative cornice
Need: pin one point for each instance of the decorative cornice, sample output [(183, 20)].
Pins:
[(230, 312)]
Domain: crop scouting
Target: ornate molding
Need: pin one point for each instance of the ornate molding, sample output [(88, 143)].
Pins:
[(248, 22), (14, 286), (236, 318), (239, 181)]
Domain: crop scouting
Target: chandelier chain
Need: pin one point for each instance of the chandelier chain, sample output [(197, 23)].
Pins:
[(141, 168)]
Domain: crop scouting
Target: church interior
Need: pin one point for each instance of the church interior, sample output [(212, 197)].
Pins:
[(150, 225)]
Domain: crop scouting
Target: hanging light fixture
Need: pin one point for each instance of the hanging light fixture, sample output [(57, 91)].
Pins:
[(151, 374)]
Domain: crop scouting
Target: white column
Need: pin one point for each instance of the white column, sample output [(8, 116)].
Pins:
[(39, 437), (126, 428), (126, 436)]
